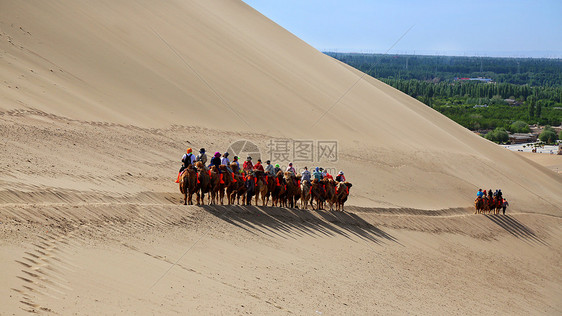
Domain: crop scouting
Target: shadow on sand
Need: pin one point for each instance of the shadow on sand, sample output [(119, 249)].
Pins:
[(516, 228), (288, 223)]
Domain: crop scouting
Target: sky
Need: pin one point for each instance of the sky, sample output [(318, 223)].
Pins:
[(515, 28)]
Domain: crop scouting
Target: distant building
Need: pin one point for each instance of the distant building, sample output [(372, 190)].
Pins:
[(513, 102), (519, 138), (486, 80), (481, 106)]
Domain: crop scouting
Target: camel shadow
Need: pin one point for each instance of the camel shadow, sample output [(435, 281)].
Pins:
[(516, 228), (290, 223)]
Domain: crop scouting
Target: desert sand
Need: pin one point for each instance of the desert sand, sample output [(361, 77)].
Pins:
[(99, 100)]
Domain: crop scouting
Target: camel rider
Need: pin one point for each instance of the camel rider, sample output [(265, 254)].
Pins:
[(258, 166), (277, 168), (269, 169), (340, 177), (490, 194), (323, 172), (202, 157), (235, 160), (500, 195), (306, 174), (291, 169), (479, 194), (225, 161), (248, 165), (317, 174), (216, 161), (187, 159)]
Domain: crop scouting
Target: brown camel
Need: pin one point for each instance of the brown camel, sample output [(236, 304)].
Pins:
[(188, 184), (478, 205), (293, 189), (279, 193), (342, 192), (226, 180), (260, 186), (215, 184), (330, 189), (305, 194), (203, 182), (271, 184), (318, 194)]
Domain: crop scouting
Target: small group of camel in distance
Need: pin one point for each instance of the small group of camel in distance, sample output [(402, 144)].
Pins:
[(488, 205), (284, 189)]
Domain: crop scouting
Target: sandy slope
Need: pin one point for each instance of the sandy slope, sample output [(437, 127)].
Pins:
[(147, 258), (98, 101)]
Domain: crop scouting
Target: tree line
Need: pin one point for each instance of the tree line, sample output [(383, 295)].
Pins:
[(528, 90), (519, 71)]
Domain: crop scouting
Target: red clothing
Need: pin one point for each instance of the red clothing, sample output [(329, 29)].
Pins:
[(259, 167), (248, 166)]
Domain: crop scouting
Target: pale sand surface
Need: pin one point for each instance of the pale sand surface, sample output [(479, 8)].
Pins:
[(552, 162), (98, 103)]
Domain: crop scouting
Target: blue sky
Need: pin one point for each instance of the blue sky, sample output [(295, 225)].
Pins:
[(514, 28)]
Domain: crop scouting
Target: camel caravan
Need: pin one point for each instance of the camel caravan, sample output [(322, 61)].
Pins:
[(489, 203), (223, 182)]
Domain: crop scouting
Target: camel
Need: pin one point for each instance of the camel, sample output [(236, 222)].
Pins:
[(305, 194), (188, 184), (260, 187), (215, 184), (279, 193), (226, 179), (330, 189), (234, 182), (271, 184), (203, 182), (250, 183), (317, 194), (293, 189), (342, 192), (478, 205)]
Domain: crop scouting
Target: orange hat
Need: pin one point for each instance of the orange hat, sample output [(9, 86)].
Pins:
[(189, 150)]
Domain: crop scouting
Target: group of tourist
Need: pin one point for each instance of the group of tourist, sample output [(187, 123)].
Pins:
[(248, 166), (488, 201)]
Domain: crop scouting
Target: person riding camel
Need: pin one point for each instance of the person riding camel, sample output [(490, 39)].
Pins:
[(269, 170), (291, 169), (317, 174), (202, 156), (479, 194), (235, 160), (187, 159), (277, 168), (258, 166), (225, 161), (216, 161), (248, 166), (340, 177), (328, 176), (490, 194), (306, 175)]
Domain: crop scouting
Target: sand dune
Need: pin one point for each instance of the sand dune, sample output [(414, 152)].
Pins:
[(98, 101)]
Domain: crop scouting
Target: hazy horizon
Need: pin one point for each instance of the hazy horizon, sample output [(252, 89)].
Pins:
[(520, 29)]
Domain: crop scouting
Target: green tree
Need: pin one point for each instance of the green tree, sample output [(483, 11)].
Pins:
[(548, 135), (498, 135), (519, 127)]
